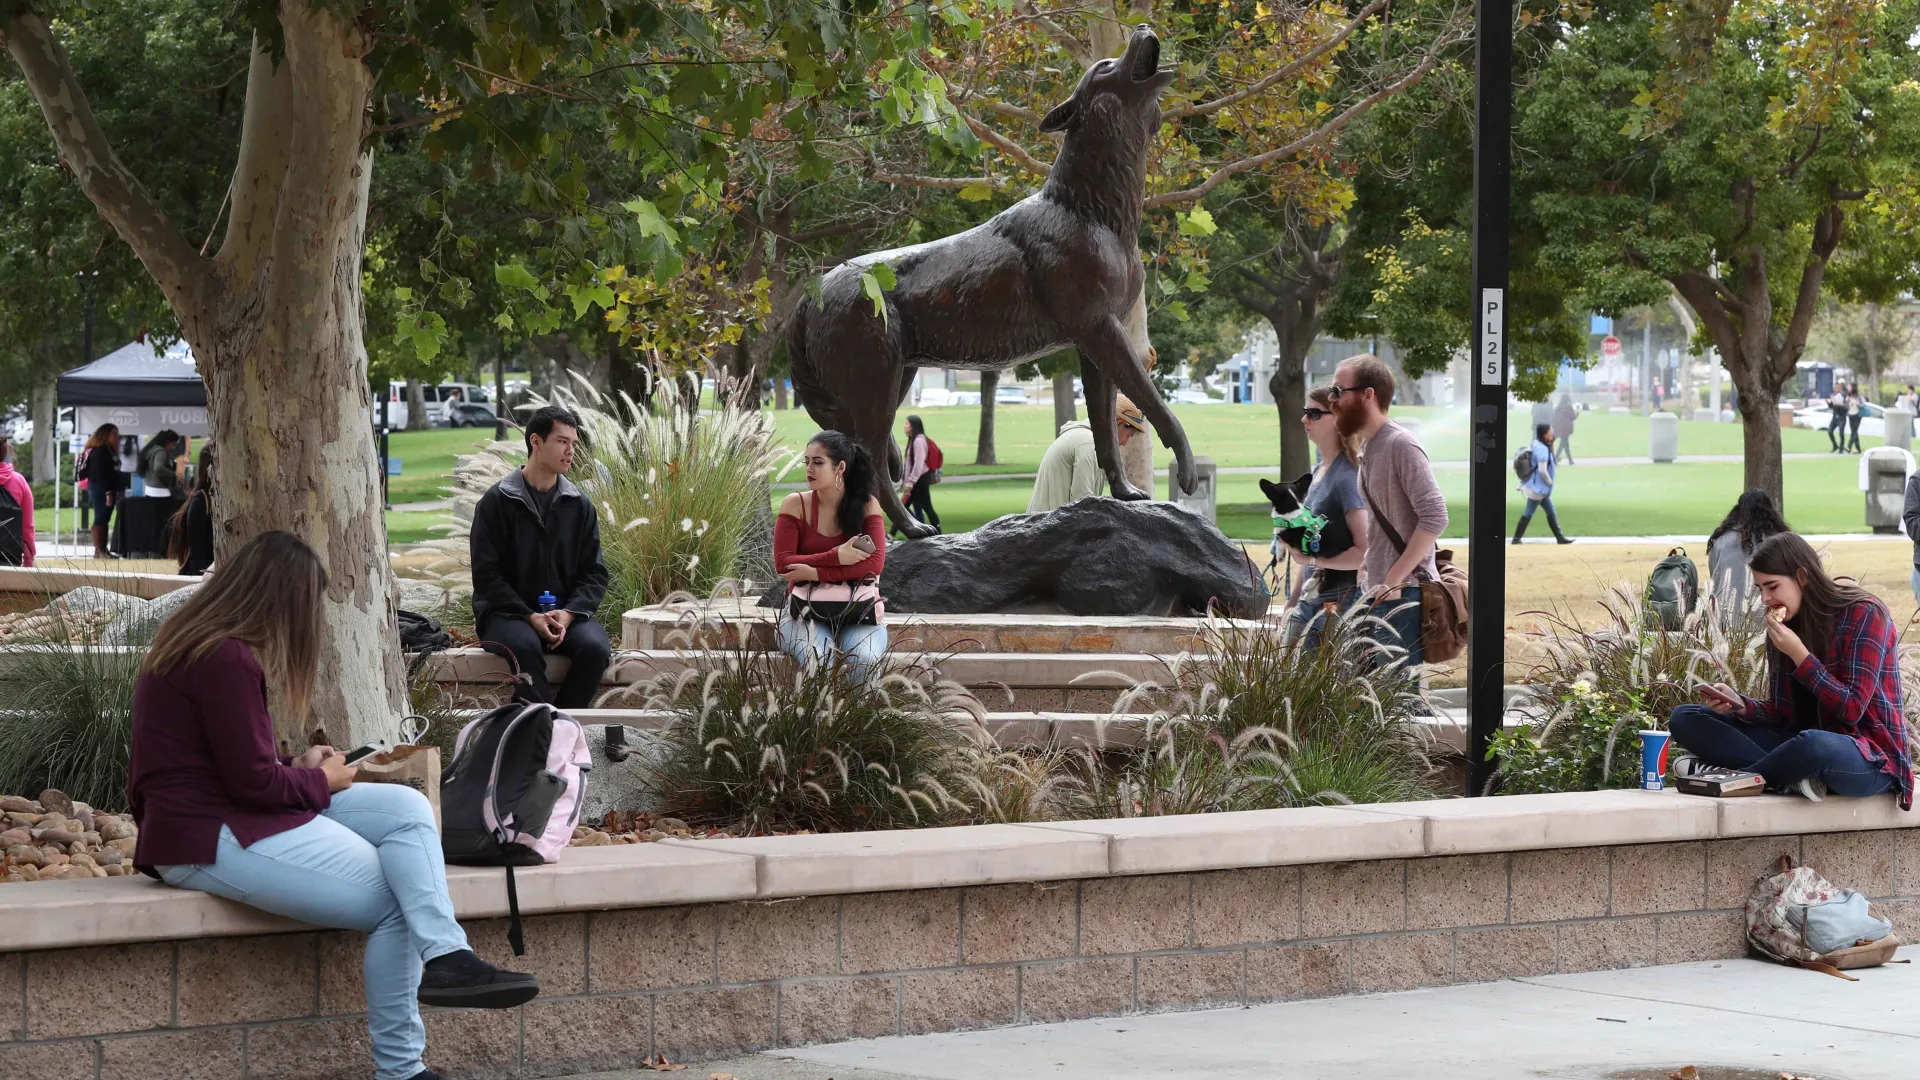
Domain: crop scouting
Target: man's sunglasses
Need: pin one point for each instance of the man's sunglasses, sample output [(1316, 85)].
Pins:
[(1310, 414), (1336, 390)]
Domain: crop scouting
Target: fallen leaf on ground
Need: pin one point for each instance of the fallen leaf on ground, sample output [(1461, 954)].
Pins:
[(1688, 1073), (661, 1064), (722, 1076)]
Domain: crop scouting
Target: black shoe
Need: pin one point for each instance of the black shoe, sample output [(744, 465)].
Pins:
[(1563, 539), (461, 980), (426, 1074)]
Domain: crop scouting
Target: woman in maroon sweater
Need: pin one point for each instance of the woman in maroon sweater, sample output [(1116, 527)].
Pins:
[(221, 813), (832, 534)]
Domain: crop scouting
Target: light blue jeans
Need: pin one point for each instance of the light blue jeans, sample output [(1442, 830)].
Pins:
[(809, 642), (1916, 584), (371, 862)]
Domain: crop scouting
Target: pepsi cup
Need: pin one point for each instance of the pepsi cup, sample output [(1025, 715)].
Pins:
[(1653, 760)]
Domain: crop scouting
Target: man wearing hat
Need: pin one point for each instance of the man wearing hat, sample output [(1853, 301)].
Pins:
[(1071, 469)]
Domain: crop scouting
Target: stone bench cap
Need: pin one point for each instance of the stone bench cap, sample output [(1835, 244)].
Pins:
[(100, 912)]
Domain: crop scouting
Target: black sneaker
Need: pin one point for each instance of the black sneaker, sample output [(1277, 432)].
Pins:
[(426, 1074), (461, 980)]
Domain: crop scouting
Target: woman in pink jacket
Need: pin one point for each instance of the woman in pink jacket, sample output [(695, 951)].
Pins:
[(16, 521)]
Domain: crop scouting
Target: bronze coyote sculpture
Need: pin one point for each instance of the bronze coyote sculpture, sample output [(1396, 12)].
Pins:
[(1060, 268)]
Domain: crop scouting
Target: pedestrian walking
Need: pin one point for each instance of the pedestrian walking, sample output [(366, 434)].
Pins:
[(1837, 418), (1406, 513), (1856, 412), (16, 511), (1333, 493), (1564, 417), (923, 471), (1538, 487), (105, 482)]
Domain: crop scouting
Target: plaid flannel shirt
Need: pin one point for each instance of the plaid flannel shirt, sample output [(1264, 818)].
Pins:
[(1858, 687)]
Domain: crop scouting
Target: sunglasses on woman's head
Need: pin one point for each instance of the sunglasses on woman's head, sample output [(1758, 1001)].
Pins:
[(1310, 414)]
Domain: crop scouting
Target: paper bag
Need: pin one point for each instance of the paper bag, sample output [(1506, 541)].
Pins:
[(418, 767)]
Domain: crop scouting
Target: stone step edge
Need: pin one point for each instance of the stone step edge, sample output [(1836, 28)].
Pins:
[(69, 914)]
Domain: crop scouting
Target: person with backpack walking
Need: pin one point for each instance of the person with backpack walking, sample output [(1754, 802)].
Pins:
[(220, 812), (17, 546), (105, 482), (1833, 720), (1535, 468), (923, 471), (1406, 513), (1753, 519), (537, 572), (830, 543)]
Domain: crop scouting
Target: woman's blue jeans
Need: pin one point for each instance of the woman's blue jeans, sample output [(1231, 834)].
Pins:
[(371, 862), (1781, 756), (810, 643)]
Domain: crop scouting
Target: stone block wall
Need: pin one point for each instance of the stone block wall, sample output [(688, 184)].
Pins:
[(710, 980)]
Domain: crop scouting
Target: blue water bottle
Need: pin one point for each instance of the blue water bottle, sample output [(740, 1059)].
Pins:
[(547, 602)]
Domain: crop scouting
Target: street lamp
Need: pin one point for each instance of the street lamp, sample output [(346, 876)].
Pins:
[(1487, 497)]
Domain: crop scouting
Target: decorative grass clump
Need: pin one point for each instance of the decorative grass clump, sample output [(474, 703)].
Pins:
[(1256, 724), (755, 743), (66, 716)]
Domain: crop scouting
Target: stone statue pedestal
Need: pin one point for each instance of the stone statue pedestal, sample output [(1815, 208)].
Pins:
[(1900, 428), (1203, 500)]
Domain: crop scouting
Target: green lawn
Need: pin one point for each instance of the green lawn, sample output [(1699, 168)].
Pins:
[(1614, 500), (426, 460), (1248, 435)]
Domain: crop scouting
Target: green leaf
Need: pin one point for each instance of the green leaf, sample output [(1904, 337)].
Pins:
[(976, 192), (813, 287), (515, 276), (870, 284), (1197, 282), (884, 274), (1179, 311), (1197, 223), (650, 221)]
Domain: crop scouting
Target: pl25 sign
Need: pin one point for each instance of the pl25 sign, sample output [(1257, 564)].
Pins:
[(1493, 337)]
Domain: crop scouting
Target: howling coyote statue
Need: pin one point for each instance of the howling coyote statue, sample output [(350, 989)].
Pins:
[(1060, 268)]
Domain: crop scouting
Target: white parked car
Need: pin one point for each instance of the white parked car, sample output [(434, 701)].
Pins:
[(933, 397), (1010, 395), (1194, 396), (1873, 422), (966, 397)]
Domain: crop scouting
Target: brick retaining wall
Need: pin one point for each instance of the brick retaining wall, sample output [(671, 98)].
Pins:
[(714, 979)]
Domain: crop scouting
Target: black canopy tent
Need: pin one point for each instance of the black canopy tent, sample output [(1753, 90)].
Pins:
[(141, 389), (136, 375)]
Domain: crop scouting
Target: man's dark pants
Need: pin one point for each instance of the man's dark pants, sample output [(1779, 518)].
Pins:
[(586, 645)]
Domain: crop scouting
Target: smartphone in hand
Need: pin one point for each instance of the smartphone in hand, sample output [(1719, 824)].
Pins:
[(863, 542), (1715, 697)]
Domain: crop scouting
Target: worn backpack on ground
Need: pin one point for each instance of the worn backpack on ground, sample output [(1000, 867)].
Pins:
[(421, 633), (1673, 588), (1523, 464), (1800, 918), (13, 530), (511, 794)]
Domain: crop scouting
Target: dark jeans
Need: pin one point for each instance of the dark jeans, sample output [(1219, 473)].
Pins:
[(102, 507), (1563, 447), (1398, 626), (1783, 757), (1308, 620), (1853, 433), (1834, 426), (585, 644), (920, 501)]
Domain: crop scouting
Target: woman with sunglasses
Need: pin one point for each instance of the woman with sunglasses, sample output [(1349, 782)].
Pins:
[(1334, 492)]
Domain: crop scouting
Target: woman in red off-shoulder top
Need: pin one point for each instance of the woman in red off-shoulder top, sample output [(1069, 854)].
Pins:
[(833, 533)]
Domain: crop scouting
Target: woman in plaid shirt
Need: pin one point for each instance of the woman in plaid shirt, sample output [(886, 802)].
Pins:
[(1833, 721)]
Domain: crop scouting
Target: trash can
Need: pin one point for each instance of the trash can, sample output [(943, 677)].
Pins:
[(1883, 477), (1202, 500), (1786, 416), (1664, 437), (1900, 428)]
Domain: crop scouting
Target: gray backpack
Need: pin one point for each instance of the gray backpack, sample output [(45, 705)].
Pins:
[(1673, 589)]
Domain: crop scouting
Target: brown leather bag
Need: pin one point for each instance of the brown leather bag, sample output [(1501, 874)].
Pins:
[(1443, 598)]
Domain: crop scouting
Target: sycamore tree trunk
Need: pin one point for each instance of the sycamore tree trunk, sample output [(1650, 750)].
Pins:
[(45, 459), (274, 319), (989, 386), (1063, 413), (1759, 355), (418, 418)]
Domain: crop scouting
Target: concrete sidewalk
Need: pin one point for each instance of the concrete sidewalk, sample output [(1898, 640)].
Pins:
[(1737, 1014)]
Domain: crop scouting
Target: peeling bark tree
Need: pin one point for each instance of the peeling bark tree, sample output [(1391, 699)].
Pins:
[(274, 320), (989, 386), (1289, 286)]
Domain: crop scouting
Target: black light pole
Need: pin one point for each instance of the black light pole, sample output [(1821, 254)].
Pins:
[(1487, 498), (500, 392)]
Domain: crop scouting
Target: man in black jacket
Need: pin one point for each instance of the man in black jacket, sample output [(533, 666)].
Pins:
[(534, 533)]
